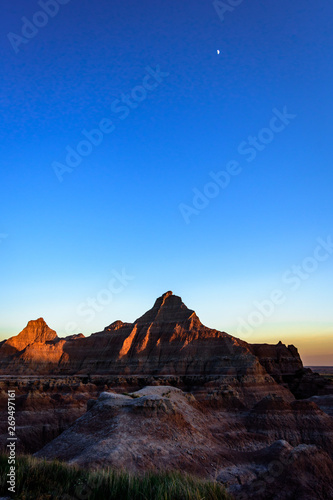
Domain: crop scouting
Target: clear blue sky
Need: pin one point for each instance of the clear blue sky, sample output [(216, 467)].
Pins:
[(122, 207)]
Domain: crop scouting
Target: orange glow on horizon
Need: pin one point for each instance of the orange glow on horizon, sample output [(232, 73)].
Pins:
[(314, 342)]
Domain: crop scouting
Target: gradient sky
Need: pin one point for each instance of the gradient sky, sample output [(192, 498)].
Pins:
[(120, 210)]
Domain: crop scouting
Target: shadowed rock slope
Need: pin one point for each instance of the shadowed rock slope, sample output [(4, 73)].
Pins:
[(169, 339), (264, 455), (174, 394)]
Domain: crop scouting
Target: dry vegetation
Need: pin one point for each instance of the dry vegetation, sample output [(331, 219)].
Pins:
[(42, 480)]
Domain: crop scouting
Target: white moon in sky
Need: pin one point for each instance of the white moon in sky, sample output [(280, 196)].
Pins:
[(218, 51)]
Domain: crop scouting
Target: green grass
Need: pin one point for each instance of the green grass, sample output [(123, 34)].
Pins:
[(42, 480)]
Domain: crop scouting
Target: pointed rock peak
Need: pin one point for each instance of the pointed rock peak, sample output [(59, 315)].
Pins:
[(115, 326), (168, 308), (36, 323), (35, 331), (168, 297)]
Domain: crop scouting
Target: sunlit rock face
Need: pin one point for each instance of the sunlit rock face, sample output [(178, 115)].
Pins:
[(35, 331), (168, 392), (35, 347), (169, 339)]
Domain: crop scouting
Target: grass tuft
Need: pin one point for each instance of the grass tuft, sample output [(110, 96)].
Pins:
[(42, 480)]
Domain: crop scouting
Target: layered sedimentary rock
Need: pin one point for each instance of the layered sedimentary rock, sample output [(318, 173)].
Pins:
[(294, 421), (173, 393), (154, 428), (169, 339), (279, 360), (161, 428), (44, 407), (35, 333), (281, 472), (284, 364), (305, 383)]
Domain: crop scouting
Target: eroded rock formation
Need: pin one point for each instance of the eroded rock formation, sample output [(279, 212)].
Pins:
[(168, 392), (163, 428), (169, 339)]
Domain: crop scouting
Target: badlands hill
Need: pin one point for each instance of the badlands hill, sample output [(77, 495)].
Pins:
[(167, 392), (260, 455), (169, 339)]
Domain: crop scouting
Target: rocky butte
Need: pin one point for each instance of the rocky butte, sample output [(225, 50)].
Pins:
[(167, 392), (169, 339)]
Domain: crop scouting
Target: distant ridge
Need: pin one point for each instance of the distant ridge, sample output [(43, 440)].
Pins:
[(167, 339)]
